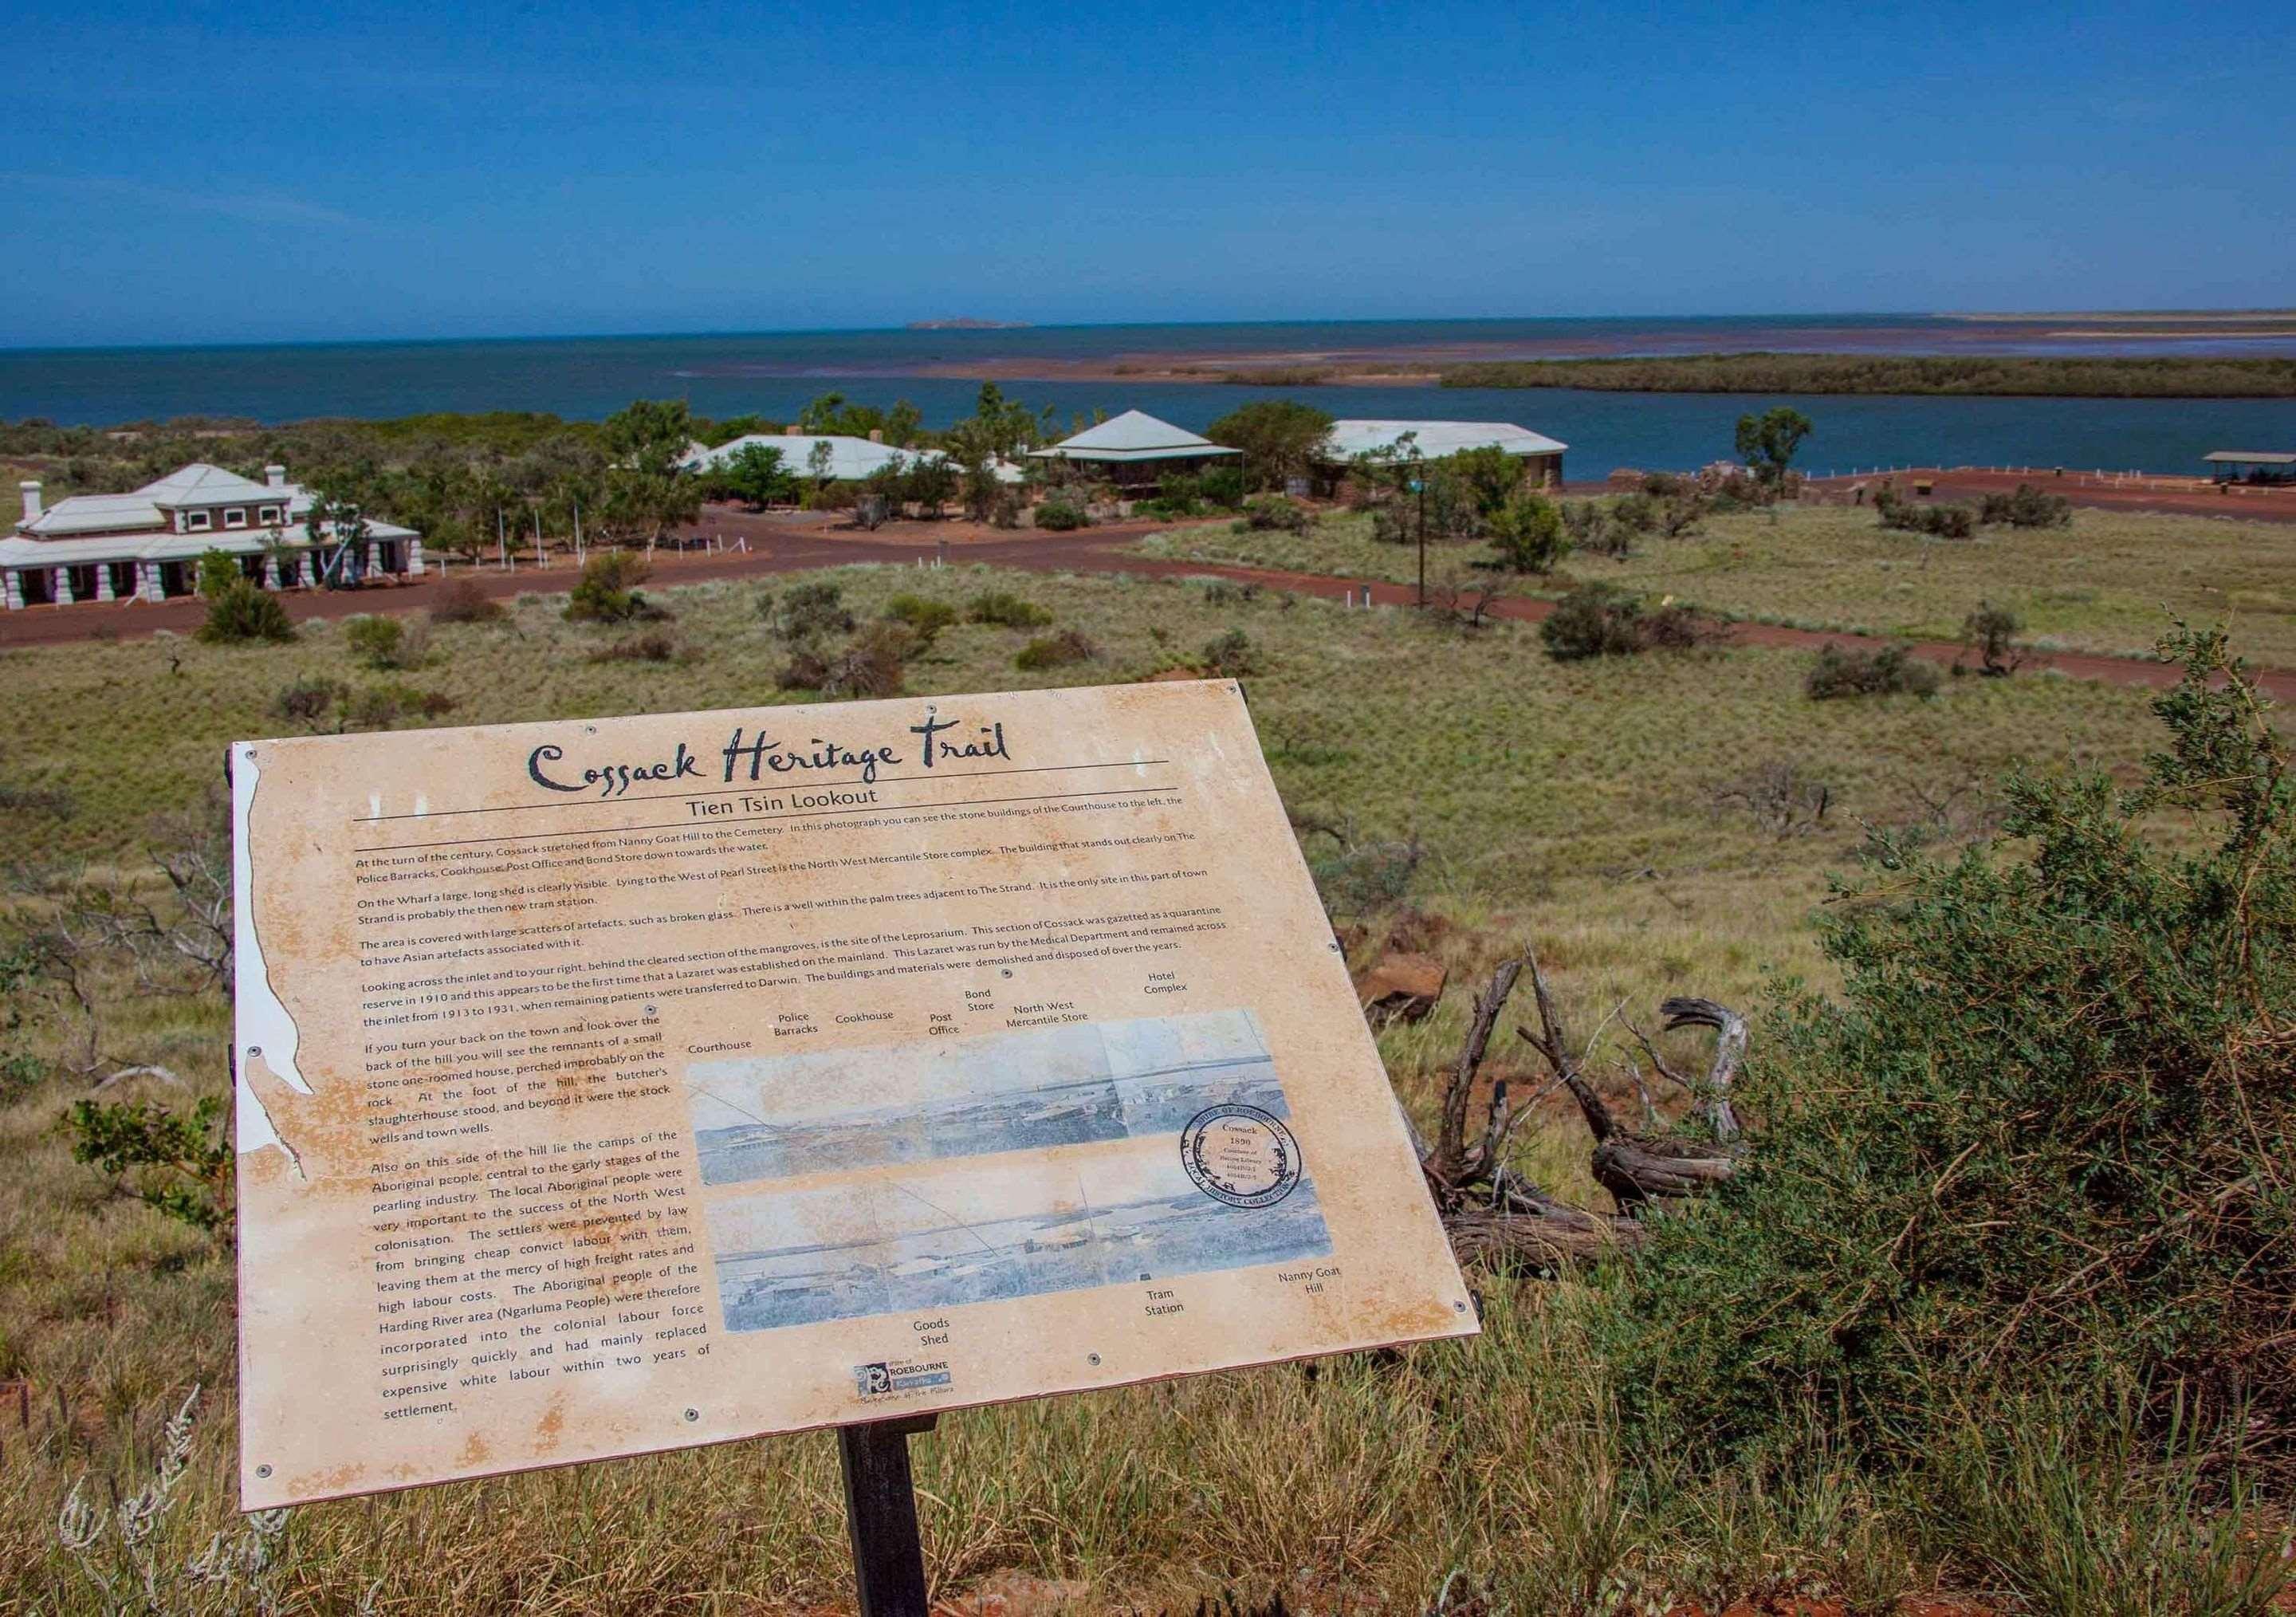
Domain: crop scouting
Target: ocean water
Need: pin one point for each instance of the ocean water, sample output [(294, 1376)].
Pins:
[(775, 374)]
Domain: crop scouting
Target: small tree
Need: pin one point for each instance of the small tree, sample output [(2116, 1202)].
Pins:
[(218, 573), (1280, 438), (242, 614), (608, 592), (756, 475), (1766, 442), (1991, 631), (809, 612), (1528, 534)]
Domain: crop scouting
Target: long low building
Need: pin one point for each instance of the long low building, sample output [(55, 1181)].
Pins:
[(146, 544), (1350, 440)]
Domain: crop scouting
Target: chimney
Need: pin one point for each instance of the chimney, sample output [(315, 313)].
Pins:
[(274, 477), (876, 435), (30, 489)]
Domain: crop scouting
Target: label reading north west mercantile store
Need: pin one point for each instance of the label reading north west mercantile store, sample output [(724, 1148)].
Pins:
[(620, 1085)]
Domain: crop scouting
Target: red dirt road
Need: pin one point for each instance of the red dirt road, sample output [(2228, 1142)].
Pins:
[(2160, 495), (780, 545)]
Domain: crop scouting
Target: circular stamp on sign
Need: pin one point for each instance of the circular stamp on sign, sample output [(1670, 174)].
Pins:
[(1241, 1155)]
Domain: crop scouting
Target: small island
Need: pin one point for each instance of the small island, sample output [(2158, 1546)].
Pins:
[(966, 324)]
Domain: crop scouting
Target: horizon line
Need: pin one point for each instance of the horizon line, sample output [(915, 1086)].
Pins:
[(1006, 328)]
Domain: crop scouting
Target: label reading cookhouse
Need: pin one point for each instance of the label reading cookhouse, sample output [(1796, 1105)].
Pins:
[(616, 1085)]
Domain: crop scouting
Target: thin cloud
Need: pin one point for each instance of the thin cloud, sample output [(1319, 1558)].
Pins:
[(260, 207)]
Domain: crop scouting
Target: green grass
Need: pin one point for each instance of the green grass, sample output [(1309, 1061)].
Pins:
[(2110, 583), (1576, 805)]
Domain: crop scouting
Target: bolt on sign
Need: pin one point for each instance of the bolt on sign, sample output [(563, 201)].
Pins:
[(625, 1085)]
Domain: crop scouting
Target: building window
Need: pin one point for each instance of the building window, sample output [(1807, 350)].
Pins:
[(235, 516), (199, 521), (270, 516)]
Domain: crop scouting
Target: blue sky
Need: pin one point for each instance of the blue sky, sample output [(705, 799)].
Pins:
[(200, 172)]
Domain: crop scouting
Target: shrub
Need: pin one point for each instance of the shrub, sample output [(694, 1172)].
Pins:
[(2036, 1147), (308, 700), (1669, 628), (1055, 651), (872, 663), (1231, 656), (1594, 620), (388, 643), (241, 615), (2029, 508), (807, 612), (219, 573), (1005, 610), (654, 646), (1891, 671), (1528, 535), (1063, 516), (608, 592), (379, 707), (1269, 513), (1991, 631), (1636, 513), (1938, 521), (463, 601), (176, 1165), (1680, 517), (924, 614), (804, 671)]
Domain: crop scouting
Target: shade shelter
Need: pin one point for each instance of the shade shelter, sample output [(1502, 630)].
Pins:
[(2252, 465), (1133, 450)]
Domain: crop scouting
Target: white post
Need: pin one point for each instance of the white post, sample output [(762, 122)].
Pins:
[(502, 544), (103, 590), (61, 594), (14, 579), (415, 554)]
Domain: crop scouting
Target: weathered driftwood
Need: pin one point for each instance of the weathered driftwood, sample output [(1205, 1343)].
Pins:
[(1496, 1218), (1639, 1167)]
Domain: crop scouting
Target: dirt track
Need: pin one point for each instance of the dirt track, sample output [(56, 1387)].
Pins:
[(2163, 496), (779, 544)]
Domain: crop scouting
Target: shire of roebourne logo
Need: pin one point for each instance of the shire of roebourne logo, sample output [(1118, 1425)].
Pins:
[(1240, 1155), (764, 752)]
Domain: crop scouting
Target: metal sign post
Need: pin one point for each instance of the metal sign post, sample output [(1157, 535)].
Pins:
[(881, 1516)]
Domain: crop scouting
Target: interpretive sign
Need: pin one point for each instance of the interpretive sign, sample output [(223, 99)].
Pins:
[(614, 1086)]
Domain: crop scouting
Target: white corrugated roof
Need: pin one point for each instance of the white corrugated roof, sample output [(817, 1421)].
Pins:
[(197, 485), (2252, 457), (850, 459), (1133, 435), (167, 545), (1436, 438), (201, 484)]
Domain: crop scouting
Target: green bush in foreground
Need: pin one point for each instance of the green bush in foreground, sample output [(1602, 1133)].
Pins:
[(241, 614), (1062, 516), (607, 590), (1005, 610), (1594, 620), (1891, 671), (1055, 651), (2039, 1148)]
